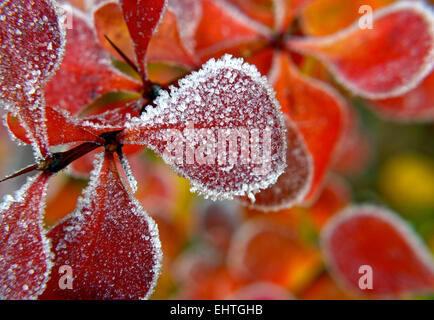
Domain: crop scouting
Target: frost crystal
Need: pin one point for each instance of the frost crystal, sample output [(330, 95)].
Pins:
[(109, 241), (32, 42), (293, 185), (222, 129), (404, 63), (24, 249)]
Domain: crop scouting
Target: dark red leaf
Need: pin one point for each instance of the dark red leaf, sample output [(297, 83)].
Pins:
[(142, 18), (317, 110), (188, 14), (166, 45), (31, 48), (226, 100), (294, 184), (64, 129), (86, 71), (229, 28), (110, 242), (24, 250)]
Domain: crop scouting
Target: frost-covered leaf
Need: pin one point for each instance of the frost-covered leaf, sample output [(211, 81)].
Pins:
[(142, 18), (113, 119), (127, 171), (229, 28), (62, 128), (316, 109), (34, 123), (386, 61), (86, 71), (110, 242), (226, 103), (372, 236), (24, 249), (293, 185), (415, 105), (31, 46)]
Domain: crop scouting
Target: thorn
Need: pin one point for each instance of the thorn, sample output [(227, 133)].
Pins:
[(28, 169), (123, 55)]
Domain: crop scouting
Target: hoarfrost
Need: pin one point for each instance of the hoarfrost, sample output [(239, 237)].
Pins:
[(25, 251), (105, 238), (25, 65), (215, 128)]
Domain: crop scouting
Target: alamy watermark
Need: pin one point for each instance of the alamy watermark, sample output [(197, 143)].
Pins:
[(366, 281), (367, 20), (69, 20), (67, 278), (220, 146)]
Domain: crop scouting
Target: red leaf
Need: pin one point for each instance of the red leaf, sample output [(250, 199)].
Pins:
[(142, 18), (112, 119), (226, 99), (317, 110), (24, 250), (60, 129), (29, 29), (377, 63), (64, 129), (31, 48), (166, 45), (82, 167), (109, 21), (262, 60), (229, 28), (415, 105), (293, 185), (188, 14), (86, 71), (372, 236), (110, 243)]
